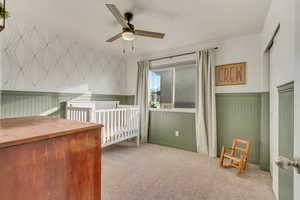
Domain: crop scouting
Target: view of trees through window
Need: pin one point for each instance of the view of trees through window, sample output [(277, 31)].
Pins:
[(173, 87)]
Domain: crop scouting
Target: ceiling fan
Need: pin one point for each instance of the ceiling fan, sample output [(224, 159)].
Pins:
[(129, 31)]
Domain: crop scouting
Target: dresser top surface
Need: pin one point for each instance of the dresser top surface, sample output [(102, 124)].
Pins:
[(16, 131)]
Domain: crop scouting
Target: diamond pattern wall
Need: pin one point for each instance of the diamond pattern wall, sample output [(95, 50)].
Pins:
[(33, 60)]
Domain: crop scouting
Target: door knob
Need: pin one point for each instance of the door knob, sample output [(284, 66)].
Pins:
[(285, 163)]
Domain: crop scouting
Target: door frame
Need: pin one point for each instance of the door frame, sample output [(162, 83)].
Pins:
[(273, 110), (297, 98)]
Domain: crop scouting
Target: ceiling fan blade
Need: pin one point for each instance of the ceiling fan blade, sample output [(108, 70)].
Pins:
[(114, 37), (116, 13), (149, 34)]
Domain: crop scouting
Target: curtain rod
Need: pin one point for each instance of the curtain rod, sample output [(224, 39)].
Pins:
[(169, 57)]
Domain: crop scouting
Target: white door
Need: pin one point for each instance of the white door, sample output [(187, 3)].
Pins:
[(283, 185), (286, 141)]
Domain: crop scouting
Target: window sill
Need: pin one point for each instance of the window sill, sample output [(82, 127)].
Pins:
[(179, 110)]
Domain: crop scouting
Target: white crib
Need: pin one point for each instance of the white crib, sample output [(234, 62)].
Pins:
[(119, 123)]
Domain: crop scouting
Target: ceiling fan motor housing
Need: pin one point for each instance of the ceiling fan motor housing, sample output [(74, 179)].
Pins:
[(128, 16), (128, 30)]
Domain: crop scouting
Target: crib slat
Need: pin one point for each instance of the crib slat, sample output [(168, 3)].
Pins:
[(105, 125), (123, 124), (134, 120), (108, 125), (126, 123), (130, 121), (119, 120), (114, 125), (115, 122)]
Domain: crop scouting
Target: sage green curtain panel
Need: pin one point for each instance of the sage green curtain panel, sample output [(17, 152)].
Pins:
[(142, 98), (206, 103)]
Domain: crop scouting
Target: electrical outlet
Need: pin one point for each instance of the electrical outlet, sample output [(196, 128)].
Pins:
[(176, 133)]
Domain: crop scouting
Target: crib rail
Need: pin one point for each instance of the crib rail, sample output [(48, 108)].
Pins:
[(119, 124)]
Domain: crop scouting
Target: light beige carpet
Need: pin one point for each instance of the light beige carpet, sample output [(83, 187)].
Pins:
[(162, 173)]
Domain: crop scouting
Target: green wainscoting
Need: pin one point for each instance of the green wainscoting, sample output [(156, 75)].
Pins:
[(246, 116), (162, 127), (264, 132), (242, 115), (23, 103)]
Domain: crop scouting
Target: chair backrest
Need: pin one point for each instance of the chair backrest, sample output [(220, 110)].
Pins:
[(244, 148)]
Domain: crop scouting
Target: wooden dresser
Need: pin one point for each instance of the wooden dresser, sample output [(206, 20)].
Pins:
[(44, 158)]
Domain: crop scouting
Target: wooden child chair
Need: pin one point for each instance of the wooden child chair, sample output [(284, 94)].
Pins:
[(237, 155)]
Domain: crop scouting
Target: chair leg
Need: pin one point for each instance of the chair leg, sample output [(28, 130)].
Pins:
[(222, 158), (241, 167), (245, 165)]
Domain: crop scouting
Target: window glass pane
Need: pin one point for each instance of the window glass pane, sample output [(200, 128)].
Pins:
[(161, 88), (185, 86)]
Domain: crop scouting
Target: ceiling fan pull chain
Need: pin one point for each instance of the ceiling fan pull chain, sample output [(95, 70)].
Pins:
[(132, 45)]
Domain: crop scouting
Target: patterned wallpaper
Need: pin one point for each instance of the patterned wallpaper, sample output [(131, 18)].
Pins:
[(36, 60)]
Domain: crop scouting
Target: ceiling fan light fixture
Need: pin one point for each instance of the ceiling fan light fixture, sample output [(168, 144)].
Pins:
[(127, 35)]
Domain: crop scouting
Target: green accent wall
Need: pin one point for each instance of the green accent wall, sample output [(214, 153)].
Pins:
[(23, 103), (264, 132), (246, 116), (162, 127), (242, 115)]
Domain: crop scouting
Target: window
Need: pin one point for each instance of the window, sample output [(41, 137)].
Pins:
[(173, 87), (185, 87)]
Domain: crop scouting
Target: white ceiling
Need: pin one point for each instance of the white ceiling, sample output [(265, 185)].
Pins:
[(184, 22)]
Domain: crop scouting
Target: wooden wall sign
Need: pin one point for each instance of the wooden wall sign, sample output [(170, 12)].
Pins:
[(231, 74)]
